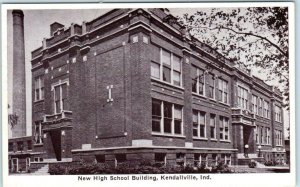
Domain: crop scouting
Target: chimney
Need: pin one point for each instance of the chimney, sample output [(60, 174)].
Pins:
[(19, 90)]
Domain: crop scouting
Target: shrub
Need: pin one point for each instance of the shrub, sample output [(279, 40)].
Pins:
[(220, 167), (269, 163), (252, 164), (128, 168)]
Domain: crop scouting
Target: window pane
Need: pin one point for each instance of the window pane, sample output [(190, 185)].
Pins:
[(202, 131), (36, 82), (212, 132), (195, 129), (64, 91), (156, 108), (202, 118), (211, 92), (195, 117), (42, 81), (177, 112), (155, 70), (167, 74), (156, 124), (167, 125), (57, 93), (176, 63), (176, 78), (166, 57), (194, 85), (57, 106), (167, 110), (201, 75), (201, 88), (177, 129)]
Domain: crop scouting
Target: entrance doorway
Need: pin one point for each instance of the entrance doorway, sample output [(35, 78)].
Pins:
[(56, 143), (248, 134), (15, 165)]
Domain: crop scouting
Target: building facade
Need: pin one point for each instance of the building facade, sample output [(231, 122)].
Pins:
[(132, 86)]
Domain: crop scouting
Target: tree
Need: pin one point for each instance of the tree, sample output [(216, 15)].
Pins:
[(252, 37), (12, 119)]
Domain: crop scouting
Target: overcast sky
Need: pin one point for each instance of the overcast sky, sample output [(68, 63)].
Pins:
[(37, 26)]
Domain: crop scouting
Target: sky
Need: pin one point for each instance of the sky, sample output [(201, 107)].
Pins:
[(37, 26)]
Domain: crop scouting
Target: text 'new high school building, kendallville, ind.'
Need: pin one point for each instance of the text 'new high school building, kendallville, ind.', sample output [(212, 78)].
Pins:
[(131, 86)]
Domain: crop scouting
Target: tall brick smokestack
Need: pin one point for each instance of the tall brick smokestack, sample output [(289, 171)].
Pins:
[(19, 90)]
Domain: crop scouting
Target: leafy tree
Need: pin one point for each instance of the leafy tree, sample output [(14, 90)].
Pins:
[(12, 119), (251, 37)]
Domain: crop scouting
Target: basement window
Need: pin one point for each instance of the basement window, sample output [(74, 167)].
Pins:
[(200, 159), (160, 159), (121, 158), (20, 146), (29, 145), (100, 158), (180, 159), (10, 146)]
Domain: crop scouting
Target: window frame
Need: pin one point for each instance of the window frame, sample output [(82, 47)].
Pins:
[(255, 104), (170, 67), (38, 138), (224, 132), (162, 123), (199, 124), (213, 86), (39, 87), (198, 81), (243, 102), (215, 126), (222, 91), (62, 105)]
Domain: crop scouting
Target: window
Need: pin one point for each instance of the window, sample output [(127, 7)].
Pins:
[(39, 88), (214, 159), (278, 116), (254, 104), (155, 70), (257, 135), (242, 98), (166, 117), (224, 128), (160, 158), (212, 123), (211, 86), (38, 133), (180, 159), (84, 58), (266, 109), (11, 146), (29, 145), (199, 129), (60, 97), (169, 69), (100, 158), (268, 136), (200, 160), (260, 103), (20, 146), (261, 135), (198, 80), (223, 91), (265, 136), (228, 159), (278, 138), (119, 158), (156, 115)]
